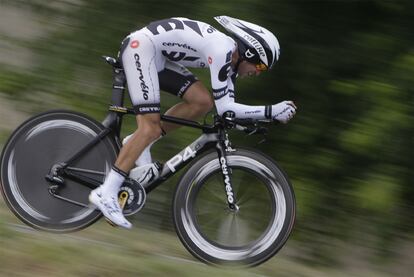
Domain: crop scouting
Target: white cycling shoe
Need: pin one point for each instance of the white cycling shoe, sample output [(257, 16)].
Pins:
[(109, 206)]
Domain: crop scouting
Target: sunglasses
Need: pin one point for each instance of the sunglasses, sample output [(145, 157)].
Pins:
[(261, 67)]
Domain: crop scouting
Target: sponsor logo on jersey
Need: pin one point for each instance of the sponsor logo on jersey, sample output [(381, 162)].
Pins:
[(220, 93), (144, 87), (225, 70), (252, 112), (134, 44), (282, 112), (172, 24), (181, 45), (229, 114), (211, 29), (149, 109)]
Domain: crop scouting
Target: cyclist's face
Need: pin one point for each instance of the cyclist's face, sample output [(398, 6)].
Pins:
[(248, 69)]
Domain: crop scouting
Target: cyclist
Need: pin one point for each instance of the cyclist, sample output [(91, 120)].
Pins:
[(154, 57)]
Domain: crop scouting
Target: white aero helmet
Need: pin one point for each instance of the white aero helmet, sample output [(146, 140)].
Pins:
[(256, 44)]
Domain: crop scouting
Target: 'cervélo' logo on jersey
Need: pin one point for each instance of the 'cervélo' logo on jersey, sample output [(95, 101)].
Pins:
[(144, 87), (178, 56), (185, 46)]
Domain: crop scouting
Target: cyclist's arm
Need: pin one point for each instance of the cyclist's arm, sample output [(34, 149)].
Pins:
[(222, 83), (282, 111), (227, 104), (223, 90)]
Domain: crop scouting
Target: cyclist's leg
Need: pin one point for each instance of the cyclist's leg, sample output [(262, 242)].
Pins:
[(139, 57), (140, 60), (197, 100), (179, 81), (149, 129)]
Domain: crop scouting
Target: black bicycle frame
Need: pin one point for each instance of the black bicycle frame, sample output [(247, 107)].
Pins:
[(213, 136)]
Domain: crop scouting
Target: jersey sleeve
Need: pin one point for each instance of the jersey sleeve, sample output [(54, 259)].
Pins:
[(227, 104), (219, 57)]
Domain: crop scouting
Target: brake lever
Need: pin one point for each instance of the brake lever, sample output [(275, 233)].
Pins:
[(263, 131), (256, 131), (263, 140)]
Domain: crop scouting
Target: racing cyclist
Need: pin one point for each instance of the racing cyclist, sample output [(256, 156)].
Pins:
[(156, 57)]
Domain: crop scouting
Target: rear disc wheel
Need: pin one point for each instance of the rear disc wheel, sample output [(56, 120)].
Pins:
[(33, 149)]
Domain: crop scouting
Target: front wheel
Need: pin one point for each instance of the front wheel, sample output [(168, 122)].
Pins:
[(249, 235)]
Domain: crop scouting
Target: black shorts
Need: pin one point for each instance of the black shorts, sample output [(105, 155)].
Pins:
[(148, 72), (176, 79)]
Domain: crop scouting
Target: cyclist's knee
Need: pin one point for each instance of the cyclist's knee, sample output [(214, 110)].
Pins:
[(149, 127), (149, 133), (199, 98), (204, 104)]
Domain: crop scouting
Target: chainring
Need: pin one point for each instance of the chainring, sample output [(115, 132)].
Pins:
[(135, 196)]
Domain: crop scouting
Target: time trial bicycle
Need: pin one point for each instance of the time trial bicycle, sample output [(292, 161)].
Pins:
[(232, 205)]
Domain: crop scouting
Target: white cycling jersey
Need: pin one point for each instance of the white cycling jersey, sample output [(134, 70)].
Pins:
[(148, 52)]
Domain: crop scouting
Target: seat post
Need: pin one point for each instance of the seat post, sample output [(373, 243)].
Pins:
[(118, 86), (114, 119)]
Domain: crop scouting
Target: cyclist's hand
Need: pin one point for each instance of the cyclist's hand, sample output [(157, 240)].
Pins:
[(283, 111)]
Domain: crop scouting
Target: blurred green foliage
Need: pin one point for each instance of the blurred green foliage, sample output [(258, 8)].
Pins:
[(349, 66)]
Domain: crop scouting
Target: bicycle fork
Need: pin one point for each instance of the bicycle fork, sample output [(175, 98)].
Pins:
[(222, 147)]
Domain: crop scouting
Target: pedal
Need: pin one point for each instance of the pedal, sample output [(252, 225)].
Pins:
[(123, 198)]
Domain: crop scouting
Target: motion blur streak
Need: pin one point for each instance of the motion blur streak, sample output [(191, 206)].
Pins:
[(349, 66)]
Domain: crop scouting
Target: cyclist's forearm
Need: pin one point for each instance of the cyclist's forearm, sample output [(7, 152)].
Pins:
[(244, 111)]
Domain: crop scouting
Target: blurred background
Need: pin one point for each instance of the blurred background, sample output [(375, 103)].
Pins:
[(348, 65)]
